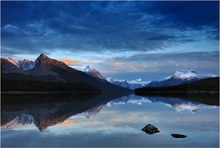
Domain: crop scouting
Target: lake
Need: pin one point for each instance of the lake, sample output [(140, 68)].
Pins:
[(106, 121)]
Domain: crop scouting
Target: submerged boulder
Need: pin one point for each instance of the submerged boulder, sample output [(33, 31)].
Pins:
[(150, 129), (178, 136)]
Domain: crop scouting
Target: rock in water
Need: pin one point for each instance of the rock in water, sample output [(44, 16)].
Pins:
[(178, 136), (150, 129)]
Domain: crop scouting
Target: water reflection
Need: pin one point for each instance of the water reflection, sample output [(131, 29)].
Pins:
[(175, 103), (46, 114), (47, 110), (111, 119)]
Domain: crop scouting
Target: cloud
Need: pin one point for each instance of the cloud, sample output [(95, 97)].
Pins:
[(69, 123), (69, 61), (156, 66), (121, 39), (105, 26)]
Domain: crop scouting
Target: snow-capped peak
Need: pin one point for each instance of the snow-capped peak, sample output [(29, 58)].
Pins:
[(93, 72)]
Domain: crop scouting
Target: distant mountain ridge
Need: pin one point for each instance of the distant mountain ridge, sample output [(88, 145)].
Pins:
[(134, 84), (203, 85), (179, 78), (122, 83), (176, 79)]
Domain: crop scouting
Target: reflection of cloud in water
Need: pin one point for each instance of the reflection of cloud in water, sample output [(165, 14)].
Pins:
[(136, 101), (111, 116), (111, 121), (68, 123), (115, 120)]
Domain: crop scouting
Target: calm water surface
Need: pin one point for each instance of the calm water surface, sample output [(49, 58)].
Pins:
[(109, 123)]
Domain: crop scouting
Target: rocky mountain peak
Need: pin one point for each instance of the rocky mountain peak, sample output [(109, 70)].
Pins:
[(43, 56)]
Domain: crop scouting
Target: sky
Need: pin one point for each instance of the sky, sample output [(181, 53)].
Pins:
[(122, 39)]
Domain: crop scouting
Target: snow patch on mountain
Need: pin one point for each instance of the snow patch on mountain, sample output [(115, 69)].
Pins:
[(13, 61), (93, 72), (26, 64)]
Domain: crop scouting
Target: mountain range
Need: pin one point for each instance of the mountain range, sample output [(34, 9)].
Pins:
[(46, 74), (208, 86), (176, 79), (122, 83), (21, 64), (45, 69)]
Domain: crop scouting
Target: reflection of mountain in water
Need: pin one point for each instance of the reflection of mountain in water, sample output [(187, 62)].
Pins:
[(94, 111), (53, 110), (56, 108)]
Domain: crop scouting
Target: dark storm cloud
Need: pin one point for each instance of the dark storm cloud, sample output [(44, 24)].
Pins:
[(33, 27)]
